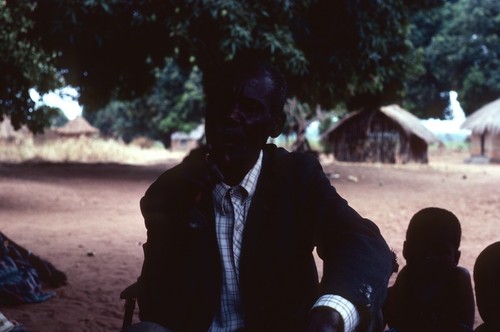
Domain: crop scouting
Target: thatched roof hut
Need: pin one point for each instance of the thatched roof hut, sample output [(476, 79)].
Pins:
[(484, 125), (76, 128), (389, 134)]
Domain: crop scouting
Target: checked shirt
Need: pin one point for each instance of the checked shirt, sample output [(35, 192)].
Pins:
[(231, 208)]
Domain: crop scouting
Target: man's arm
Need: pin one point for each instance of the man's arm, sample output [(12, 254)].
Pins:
[(357, 262), (167, 208), (336, 306)]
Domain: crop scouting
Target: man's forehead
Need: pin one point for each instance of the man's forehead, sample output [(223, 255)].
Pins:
[(255, 84)]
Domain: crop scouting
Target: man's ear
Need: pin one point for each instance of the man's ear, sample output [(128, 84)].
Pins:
[(278, 124)]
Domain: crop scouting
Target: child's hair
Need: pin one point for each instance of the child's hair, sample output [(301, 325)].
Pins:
[(434, 220), (486, 280)]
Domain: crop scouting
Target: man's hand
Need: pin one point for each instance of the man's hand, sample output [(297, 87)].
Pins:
[(325, 319), (200, 172)]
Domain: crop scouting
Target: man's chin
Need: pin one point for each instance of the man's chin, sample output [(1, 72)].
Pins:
[(228, 150), (235, 156)]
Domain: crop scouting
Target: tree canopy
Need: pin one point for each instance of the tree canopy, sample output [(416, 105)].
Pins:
[(349, 52), (174, 104), (24, 64), (459, 46), (466, 52)]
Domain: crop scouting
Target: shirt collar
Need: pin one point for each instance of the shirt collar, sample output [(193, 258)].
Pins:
[(249, 183)]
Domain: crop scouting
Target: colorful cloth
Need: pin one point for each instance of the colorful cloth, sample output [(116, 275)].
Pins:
[(19, 280)]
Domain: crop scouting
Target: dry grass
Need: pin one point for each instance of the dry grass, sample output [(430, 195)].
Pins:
[(82, 149), (141, 151)]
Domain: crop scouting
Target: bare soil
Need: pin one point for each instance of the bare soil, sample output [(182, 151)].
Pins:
[(85, 219)]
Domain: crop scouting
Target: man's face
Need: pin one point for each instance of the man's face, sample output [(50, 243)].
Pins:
[(240, 120)]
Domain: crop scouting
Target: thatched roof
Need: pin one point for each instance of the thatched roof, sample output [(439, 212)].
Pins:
[(485, 119), (408, 122), (77, 126)]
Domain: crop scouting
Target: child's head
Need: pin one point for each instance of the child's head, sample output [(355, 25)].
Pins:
[(432, 240), (487, 285)]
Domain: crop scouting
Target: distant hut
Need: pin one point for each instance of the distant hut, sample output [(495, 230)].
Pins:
[(484, 125), (76, 128), (389, 134)]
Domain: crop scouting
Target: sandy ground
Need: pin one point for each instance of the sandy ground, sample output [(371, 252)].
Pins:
[(85, 219)]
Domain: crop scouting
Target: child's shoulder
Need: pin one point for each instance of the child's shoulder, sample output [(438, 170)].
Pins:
[(458, 277), (461, 272), (462, 275)]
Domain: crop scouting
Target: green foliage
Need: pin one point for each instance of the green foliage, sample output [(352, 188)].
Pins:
[(178, 97), (423, 92), (462, 53), (58, 119), (23, 65), (474, 67), (174, 103)]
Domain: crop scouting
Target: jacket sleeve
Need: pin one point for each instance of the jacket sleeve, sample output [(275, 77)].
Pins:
[(175, 274), (162, 214), (357, 261)]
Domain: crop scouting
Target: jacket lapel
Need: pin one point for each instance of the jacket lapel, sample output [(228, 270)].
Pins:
[(259, 237)]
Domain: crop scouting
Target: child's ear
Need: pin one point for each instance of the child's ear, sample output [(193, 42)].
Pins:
[(457, 257)]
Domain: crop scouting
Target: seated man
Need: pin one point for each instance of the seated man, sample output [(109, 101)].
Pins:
[(431, 293), (232, 229)]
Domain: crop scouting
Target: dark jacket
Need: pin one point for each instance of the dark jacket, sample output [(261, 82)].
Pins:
[(294, 209), (487, 328)]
